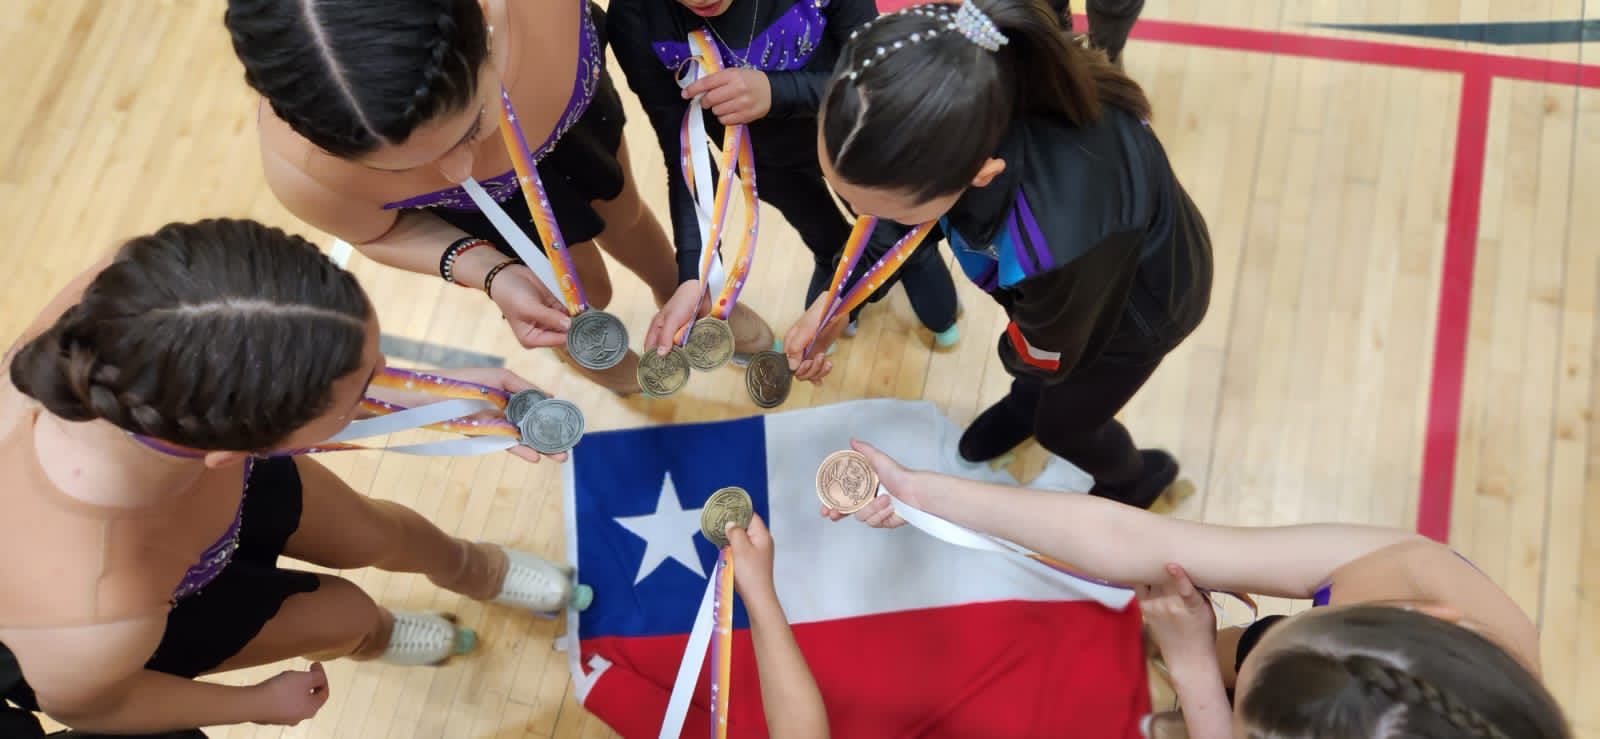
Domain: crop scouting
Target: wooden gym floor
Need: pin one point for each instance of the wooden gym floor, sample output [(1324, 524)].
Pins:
[(1403, 329)]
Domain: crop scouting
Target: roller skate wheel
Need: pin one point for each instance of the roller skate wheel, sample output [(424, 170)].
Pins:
[(582, 597), (466, 641)]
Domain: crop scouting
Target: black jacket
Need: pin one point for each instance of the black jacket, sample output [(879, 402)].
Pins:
[(1088, 241)]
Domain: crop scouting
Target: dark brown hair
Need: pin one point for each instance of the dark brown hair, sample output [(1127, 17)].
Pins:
[(216, 335), (922, 117), (1377, 671), (351, 75)]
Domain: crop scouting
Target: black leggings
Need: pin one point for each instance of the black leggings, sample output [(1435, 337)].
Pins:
[(1076, 418), (1110, 21), (806, 203)]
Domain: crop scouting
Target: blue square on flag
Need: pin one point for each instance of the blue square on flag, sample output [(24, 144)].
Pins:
[(638, 512)]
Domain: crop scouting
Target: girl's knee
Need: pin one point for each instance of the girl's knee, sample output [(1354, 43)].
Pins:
[(344, 621)]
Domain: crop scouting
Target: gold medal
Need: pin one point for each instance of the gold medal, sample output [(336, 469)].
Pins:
[(660, 376), (710, 344), (728, 504)]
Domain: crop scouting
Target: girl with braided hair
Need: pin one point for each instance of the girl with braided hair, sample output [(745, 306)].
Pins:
[(146, 431), (1035, 156), (1407, 639), (375, 113)]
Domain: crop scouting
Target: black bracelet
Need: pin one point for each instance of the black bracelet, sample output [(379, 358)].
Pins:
[(447, 260), (488, 280)]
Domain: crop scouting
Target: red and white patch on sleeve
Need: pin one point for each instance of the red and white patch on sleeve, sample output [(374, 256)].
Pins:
[(1030, 354)]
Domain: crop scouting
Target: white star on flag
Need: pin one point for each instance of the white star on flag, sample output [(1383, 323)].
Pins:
[(668, 533)]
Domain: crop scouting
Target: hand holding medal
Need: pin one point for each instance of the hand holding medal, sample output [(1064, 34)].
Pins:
[(730, 506), (597, 340), (806, 344), (708, 343), (848, 482)]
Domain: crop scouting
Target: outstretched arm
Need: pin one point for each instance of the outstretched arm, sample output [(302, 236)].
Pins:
[(92, 678), (789, 693), (1128, 545)]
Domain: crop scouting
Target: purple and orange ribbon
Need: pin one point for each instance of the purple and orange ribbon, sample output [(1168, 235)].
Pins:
[(737, 154), (544, 218), (395, 379), (876, 275), (722, 644)]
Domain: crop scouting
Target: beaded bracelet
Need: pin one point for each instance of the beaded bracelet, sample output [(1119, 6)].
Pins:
[(488, 280), (460, 246)]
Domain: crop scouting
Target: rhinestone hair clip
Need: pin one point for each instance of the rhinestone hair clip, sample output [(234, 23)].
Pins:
[(967, 20), (977, 27)]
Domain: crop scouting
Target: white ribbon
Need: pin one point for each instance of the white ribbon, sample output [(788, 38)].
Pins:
[(412, 418), (705, 195), (694, 655), (514, 236), (427, 415), (472, 447)]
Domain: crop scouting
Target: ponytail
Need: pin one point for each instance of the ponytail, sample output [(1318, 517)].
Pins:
[(917, 104), (1056, 73)]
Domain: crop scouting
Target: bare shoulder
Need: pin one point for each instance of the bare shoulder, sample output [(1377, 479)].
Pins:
[(337, 210), (1426, 572)]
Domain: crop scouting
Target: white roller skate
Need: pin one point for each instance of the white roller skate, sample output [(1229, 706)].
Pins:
[(422, 639), (542, 586)]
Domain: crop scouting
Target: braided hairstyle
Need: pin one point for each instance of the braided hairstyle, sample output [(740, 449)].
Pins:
[(353, 75), (1388, 673), (917, 108), (216, 335)]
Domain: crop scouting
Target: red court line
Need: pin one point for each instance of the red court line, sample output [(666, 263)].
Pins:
[(1365, 52), (1478, 71), (1442, 436)]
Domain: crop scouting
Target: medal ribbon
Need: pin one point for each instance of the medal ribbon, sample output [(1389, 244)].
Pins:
[(722, 646), (959, 535), (738, 155), (461, 400), (544, 219), (694, 654), (879, 273), (722, 308), (714, 618), (693, 160)]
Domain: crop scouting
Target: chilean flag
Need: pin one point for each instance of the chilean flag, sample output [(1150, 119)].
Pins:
[(907, 636)]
